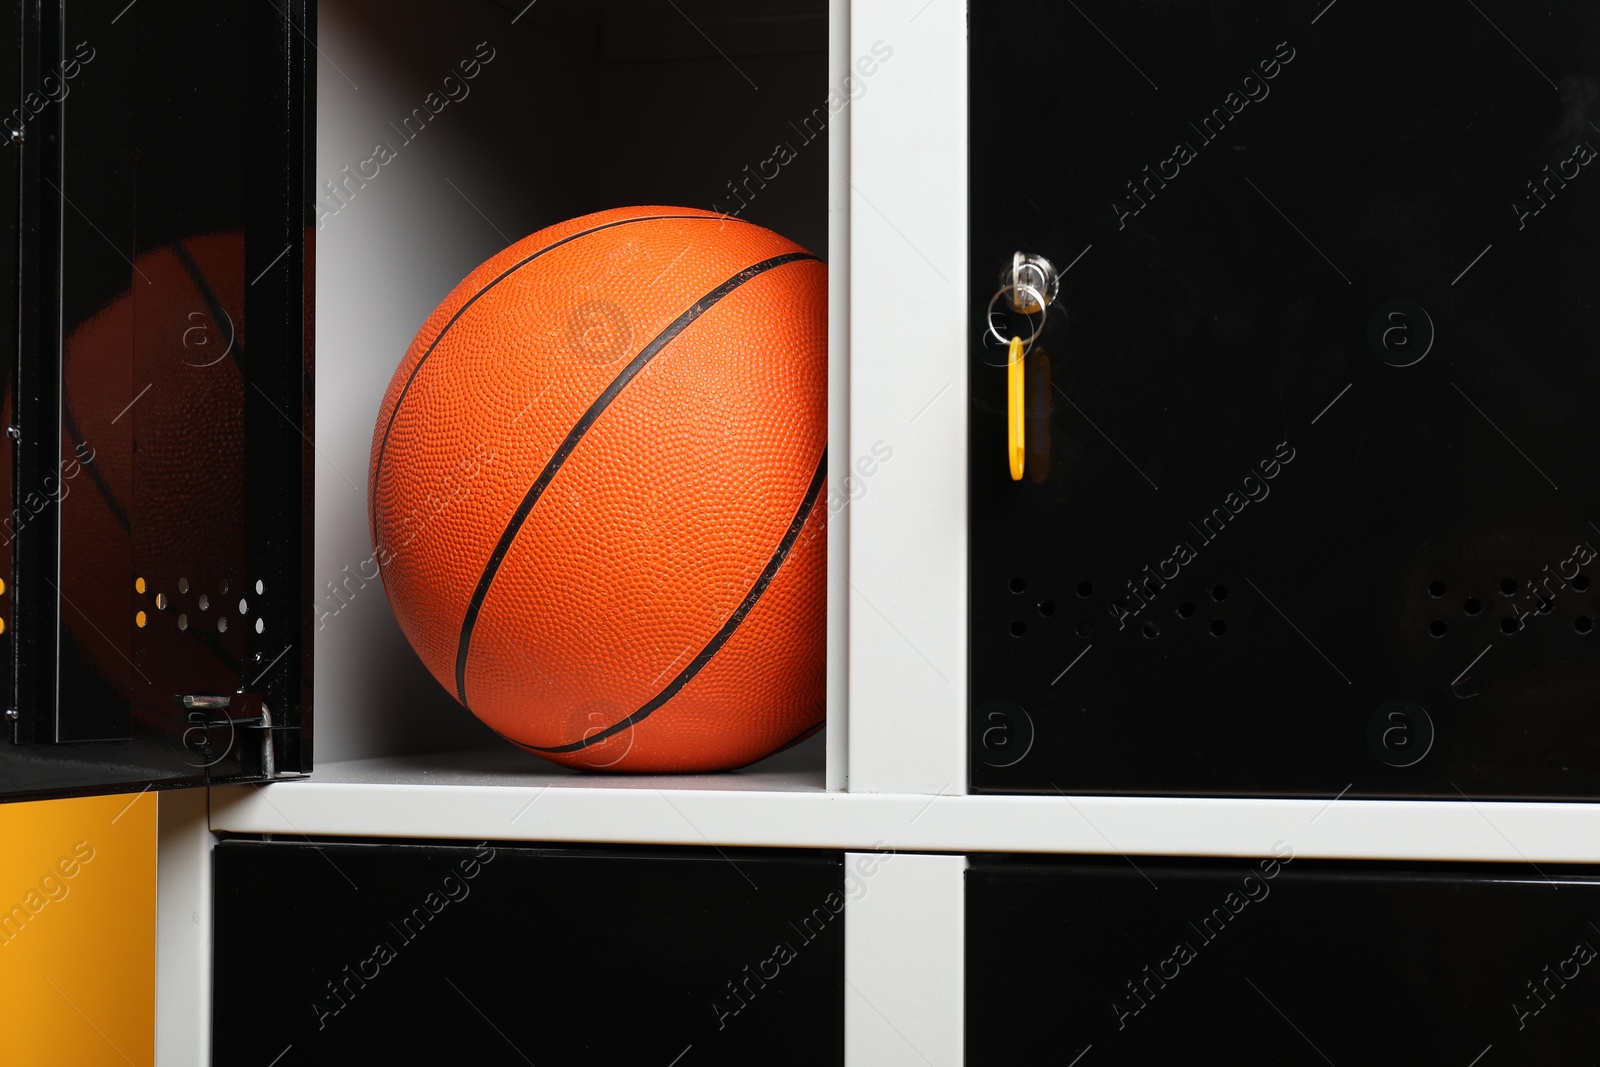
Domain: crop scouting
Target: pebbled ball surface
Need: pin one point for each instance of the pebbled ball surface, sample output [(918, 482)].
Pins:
[(659, 603)]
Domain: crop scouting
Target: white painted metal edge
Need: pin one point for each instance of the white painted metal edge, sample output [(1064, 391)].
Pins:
[(838, 740), (904, 959), (183, 929), (1175, 826), (908, 390)]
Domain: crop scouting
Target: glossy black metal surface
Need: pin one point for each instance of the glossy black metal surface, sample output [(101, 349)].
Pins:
[(158, 395), (1310, 504), (1280, 961), (413, 953)]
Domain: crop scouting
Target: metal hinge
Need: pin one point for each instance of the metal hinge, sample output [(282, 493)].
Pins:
[(246, 715)]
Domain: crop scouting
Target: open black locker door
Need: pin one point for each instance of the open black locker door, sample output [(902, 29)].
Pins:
[(155, 543)]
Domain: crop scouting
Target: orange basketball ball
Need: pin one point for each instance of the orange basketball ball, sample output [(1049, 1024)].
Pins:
[(598, 491)]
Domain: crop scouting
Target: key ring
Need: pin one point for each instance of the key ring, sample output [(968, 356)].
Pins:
[(1025, 299), (1040, 301), (1016, 365)]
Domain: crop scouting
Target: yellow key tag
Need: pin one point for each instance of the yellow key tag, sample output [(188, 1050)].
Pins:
[(1015, 408), (1028, 286)]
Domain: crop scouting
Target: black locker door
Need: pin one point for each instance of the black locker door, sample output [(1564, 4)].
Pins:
[(384, 952), (1278, 960), (157, 394), (1309, 505)]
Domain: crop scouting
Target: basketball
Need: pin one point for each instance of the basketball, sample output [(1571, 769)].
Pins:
[(598, 492)]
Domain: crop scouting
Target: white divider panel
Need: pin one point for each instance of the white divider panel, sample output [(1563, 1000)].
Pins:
[(840, 58), (904, 959), (183, 929), (908, 249)]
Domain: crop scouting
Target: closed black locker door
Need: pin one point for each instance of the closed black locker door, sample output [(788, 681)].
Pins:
[(1309, 504), (1280, 960), (492, 953)]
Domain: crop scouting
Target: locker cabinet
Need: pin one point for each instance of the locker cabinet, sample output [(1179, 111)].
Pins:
[(1344, 338)]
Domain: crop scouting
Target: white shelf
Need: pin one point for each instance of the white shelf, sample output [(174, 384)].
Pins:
[(799, 770), (500, 795)]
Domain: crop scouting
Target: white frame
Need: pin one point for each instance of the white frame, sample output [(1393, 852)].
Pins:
[(183, 927), (908, 388), (904, 957), (837, 772)]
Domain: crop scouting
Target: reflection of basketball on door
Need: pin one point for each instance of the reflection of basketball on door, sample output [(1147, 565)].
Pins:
[(151, 522), (597, 491)]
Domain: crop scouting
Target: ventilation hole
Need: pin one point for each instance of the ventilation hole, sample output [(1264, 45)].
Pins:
[(1018, 585), (1019, 628), (1508, 587), (1047, 608), (222, 587), (1437, 628), (259, 587), (2, 626), (222, 624), (138, 585), (1219, 592), (1151, 630), (205, 602), (1472, 605), (161, 601), (183, 585), (1218, 627), (1085, 629), (1510, 624), (139, 620), (261, 626), (244, 608), (1436, 589), (1185, 610), (1580, 582), (183, 622), (1583, 624), (1085, 588), (2, 587)]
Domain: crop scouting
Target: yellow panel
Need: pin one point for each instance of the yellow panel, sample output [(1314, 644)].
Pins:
[(77, 931)]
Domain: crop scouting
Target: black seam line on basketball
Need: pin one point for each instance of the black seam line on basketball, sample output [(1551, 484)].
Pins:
[(807, 732), (383, 448), (570, 442), (95, 476), (721, 637), (199, 279), (219, 315)]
